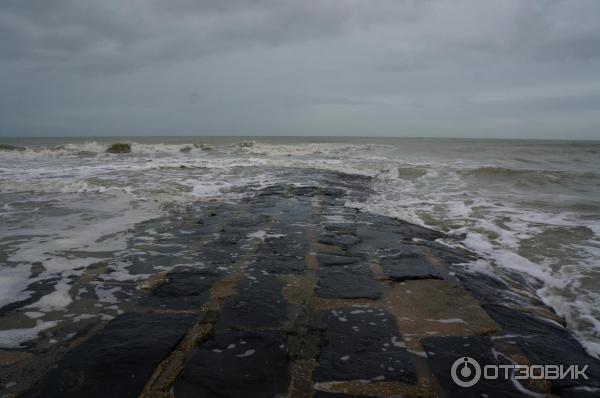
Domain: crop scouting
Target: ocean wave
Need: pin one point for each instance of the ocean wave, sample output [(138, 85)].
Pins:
[(58, 186), (408, 173), (6, 147), (503, 172), (304, 149), (94, 148), (530, 177)]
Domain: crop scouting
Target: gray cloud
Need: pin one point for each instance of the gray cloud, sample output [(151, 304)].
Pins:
[(113, 35), (394, 67)]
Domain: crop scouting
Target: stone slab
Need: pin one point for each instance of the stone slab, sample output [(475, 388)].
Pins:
[(236, 364), (343, 240), (444, 351), (330, 260), (117, 361), (259, 303), (347, 282), (183, 289), (363, 344), (402, 266), (544, 342), (426, 307)]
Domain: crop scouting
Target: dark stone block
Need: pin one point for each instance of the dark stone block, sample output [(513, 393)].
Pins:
[(363, 344), (329, 260), (282, 255), (380, 226), (183, 289), (341, 227), (215, 254), (516, 322), (118, 361), (345, 240), (258, 303), (278, 264), (299, 210), (248, 221), (337, 213), (236, 364), (333, 191), (229, 238), (488, 289), (301, 191), (274, 190), (382, 239), (546, 343), (407, 266), (293, 244), (304, 190), (444, 351), (556, 350), (347, 282), (450, 255)]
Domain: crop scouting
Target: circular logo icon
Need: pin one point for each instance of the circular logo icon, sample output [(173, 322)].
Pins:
[(465, 372)]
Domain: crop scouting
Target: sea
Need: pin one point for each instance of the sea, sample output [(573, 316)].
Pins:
[(530, 208)]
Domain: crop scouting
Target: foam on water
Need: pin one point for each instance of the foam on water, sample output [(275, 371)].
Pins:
[(14, 338), (528, 209)]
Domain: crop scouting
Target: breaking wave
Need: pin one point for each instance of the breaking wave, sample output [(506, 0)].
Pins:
[(530, 177)]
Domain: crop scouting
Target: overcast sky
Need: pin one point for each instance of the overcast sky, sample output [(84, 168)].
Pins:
[(464, 68)]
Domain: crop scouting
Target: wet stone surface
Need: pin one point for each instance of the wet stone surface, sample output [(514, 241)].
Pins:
[(405, 265), (236, 364), (444, 351), (182, 289), (117, 361), (282, 252), (545, 342), (343, 240), (285, 292), (329, 260), (363, 343), (259, 303), (347, 282)]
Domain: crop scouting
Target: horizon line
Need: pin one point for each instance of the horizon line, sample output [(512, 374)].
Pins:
[(305, 136)]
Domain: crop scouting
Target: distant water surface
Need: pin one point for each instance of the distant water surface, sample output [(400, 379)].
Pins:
[(530, 207)]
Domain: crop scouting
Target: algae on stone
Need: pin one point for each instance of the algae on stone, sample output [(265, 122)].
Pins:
[(119, 147)]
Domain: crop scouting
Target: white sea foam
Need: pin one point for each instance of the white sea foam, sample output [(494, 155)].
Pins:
[(58, 300), (107, 294), (13, 282), (262, 235), (13, 338)]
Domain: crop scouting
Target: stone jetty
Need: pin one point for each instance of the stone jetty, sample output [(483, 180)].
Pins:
[(287, 292)]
